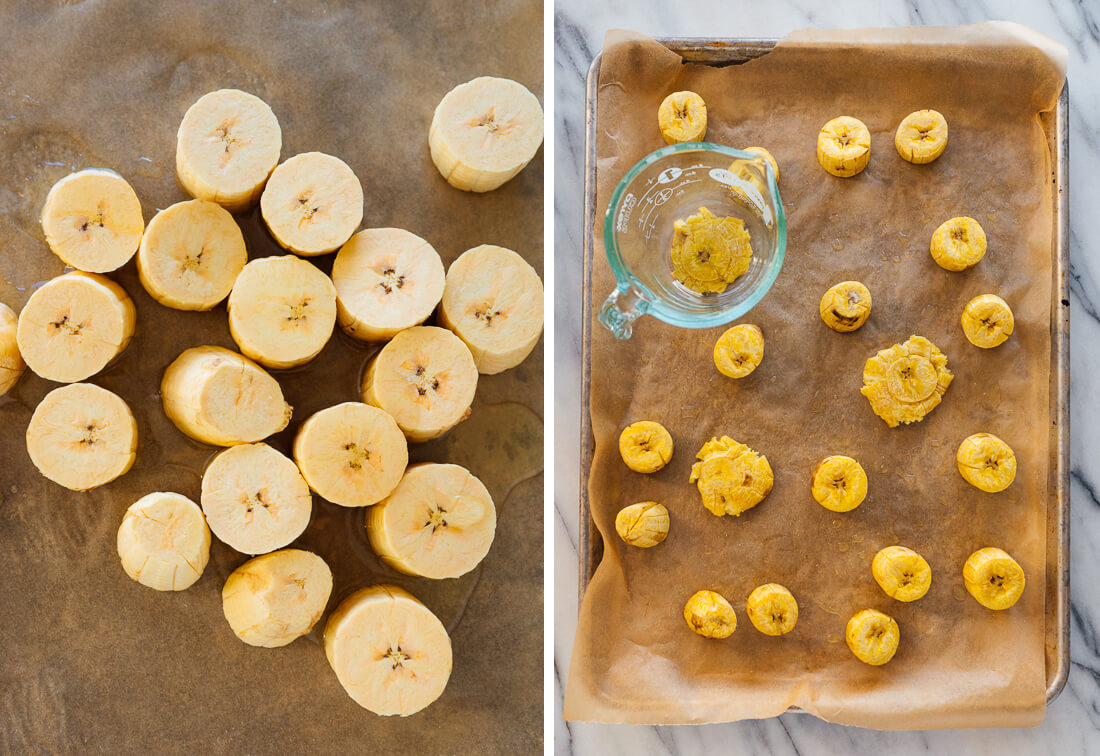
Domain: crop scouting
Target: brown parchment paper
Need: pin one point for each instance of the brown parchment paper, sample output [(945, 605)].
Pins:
[(959, 665), (94, 662)]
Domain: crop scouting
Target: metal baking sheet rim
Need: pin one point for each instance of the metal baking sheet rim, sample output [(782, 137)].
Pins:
[(733, 51)]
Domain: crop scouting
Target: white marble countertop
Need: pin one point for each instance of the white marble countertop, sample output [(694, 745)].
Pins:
[(1072, 722)]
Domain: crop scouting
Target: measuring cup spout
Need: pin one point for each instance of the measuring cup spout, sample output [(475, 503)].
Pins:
[(620, 310)]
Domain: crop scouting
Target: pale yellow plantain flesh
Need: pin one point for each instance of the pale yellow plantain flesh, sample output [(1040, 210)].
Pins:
[(993, 578), (731, 477), (844, 146), (710, 615), (958, 244), (92, 220), (839, 483), (682, 117), (163, 541), (276, 598), (767, 156), (902, 573), (907, 381), (845, 306), (872, 636), (921, 136), (772, 609), (12, 365), (986, 462), (987, 321), (645, 446), (739, 350), (708, 252), (312, 203), (644, 524)]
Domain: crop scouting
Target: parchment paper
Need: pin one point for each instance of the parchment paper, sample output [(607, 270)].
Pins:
[(959, 664), (94, 662)]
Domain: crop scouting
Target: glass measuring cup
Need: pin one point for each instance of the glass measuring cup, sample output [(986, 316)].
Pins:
[(672, 184)]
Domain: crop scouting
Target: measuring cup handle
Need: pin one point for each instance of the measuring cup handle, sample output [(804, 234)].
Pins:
[(620, 310)]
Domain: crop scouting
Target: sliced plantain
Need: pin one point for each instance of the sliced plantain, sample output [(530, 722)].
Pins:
[(987, 321), (845, 306), (274, 599), (902, 573), (645, 446), (226, 147), (163, 541), (921, 136), (644, 524), (682, 117), (386, 280), (12, 365), (993, 578), (484, 132), (312, 203), (92, 220), (190, 255), (352, 454), (767, 156), (282, 311), (739, 350), (438, 523), (772, 609), (493, 301), (986, 462), (844, 146), (731, 477), (709, 252), (74, 325), (389, 652), (426, 378), (82, 436), (958, 244), (219, 397), (907, 381), (873, 637), (710, 615), (839, 483), (254, 498)]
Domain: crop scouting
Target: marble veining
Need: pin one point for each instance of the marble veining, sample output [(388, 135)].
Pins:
[(1072, 722)]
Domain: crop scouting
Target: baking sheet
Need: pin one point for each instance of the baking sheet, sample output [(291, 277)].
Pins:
[(96, 662), (599, 694)]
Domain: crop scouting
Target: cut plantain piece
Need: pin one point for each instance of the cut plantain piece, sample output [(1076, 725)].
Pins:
[(493, 301), (163, 541), (82, 436), (873, 637), (993, 578), (839, 483), (12, 365), (682, 117), (772, 609), (987, 321), (907, 381), (74, 325), (312, 203), (708, 252), (739, 350), (274, 599), (219, 397), (958, 244), (645, 446), (92, 220), (282, 311), (731, 477), (767, 156), (226, 147), (438, 523), (902, 573), (190, 255), (844, 146), (484, 132), (644, 524), (390, 652), (254, 498), (710, 615), (986, 462), (921, 136), (425, 378), (387, 280), (845, 306), (352, 454)]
